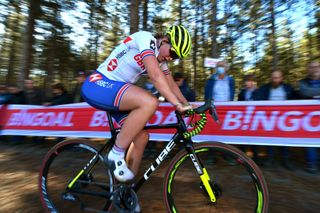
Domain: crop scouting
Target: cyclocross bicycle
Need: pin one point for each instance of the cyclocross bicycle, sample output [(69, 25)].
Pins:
[(201, 177)]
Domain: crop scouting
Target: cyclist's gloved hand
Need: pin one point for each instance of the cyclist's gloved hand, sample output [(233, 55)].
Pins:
[(182, 108)]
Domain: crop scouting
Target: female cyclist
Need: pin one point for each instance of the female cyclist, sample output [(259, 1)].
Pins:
[(111, 88)]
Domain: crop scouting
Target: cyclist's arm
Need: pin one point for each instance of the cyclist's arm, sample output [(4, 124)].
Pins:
[(176, 90), (159, 80)]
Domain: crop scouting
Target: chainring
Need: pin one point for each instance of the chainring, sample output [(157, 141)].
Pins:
[(125, 199)]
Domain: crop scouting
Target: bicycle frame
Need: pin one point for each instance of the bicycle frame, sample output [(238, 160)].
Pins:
[(181, 127)]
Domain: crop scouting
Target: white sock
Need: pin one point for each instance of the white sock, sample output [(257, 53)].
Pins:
[(116, 153)]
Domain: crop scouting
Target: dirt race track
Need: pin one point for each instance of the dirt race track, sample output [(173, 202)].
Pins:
[(290, 191)]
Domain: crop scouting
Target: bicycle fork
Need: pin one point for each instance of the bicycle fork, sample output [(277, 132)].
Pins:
[(204, 176)]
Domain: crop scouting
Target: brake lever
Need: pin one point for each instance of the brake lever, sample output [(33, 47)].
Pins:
[(213, 113)]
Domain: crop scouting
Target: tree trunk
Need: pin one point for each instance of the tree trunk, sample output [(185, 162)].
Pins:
[(273, 36), (14, 48), (134, 16), (27, 49), (214, 31), (201, 76), (195, 49), (145, 15), (318, 30)]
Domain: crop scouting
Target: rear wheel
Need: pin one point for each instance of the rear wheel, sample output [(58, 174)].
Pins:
[(63, 163), (236, 180)]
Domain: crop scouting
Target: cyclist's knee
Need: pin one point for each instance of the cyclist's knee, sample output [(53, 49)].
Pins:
[(150, 103)]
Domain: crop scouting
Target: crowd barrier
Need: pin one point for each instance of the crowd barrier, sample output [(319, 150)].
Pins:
[(280, 123)]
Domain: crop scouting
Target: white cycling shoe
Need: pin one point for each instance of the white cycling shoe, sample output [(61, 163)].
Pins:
[(120, 169)]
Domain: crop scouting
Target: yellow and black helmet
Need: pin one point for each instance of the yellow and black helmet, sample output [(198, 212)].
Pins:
[(180, 40)]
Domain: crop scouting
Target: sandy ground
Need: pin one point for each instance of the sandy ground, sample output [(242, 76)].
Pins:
[(290, 191)]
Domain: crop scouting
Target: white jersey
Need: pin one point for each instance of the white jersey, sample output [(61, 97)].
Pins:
[(125, 61)]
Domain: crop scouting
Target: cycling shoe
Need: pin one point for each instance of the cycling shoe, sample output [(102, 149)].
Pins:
[(120, 169)]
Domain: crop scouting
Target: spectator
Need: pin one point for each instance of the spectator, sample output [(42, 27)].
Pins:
[(17, 96), (60, 95), (276, 90), (220, 86), (187, 92), (4, 98), (246, 94), (76, 95), (309, 88), (33, 95), (4, 95)]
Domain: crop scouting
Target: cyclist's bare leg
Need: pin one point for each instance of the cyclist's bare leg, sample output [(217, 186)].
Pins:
[(142, 105), (135, 151)]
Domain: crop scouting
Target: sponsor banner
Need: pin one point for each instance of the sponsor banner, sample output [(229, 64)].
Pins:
[(211, 62), (288, 123), (2, 120)]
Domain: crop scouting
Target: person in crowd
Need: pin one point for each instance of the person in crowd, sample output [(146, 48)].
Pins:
[(33, 95), (76, 95), (181, 82), (17, 96), (59, 95), (4, 99), (4, 95), (276, 90), (220, 86), (250, 85), (309, 88), (246, 94)]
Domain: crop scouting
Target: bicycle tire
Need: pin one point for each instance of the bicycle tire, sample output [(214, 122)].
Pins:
[(61, 165), (182, 185)]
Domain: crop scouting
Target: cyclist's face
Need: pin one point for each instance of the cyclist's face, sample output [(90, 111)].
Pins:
[(164, 51)]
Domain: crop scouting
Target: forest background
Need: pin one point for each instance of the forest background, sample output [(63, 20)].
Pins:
[(50, 40)]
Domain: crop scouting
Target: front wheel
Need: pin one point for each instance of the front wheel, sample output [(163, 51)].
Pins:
[(65, 183), (237, 182)]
